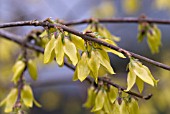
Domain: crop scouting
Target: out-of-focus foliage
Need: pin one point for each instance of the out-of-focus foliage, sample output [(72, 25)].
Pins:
[(52, 102), (162, 4), (154, 39), (131, 6), (153, 34), (104, 10), (10, 50)]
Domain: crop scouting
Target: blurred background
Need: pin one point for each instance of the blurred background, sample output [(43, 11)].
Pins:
[(54, 88)]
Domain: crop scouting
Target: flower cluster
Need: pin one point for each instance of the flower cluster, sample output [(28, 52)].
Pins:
[(139, 73), (107, 101), (90, 59), (153, 36)]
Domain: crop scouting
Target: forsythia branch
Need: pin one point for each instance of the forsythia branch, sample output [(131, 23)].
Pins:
[(87, 37), (21, 41)]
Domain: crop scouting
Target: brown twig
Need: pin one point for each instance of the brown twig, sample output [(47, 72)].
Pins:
[(86, 21), (119, 20), (16, 39)]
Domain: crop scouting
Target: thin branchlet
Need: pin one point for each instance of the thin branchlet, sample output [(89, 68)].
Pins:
[(118, 20), (90, 20)]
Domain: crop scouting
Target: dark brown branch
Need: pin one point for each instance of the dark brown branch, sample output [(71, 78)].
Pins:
[(15, 24), (86, 37), (15, 38), (118, 20), (86, 21)]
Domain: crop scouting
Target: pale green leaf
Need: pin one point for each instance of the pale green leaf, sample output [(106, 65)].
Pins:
[(68, 59), (43, 34), (151, 40), (131, 79), (140, 84), (90, 97), (32, 69), (3, 102), (71, 51), (109, 41), (11, 100), (49, 49), (115, 38), (94, 64), (116, 108), (141, 32), (133, 107), (89, 28), (99, 101), (104, 60), (17, 64), (112, 94), (100, 112), (27, 96), (141, 72), (36, 103), (154, 39), (75, 77), (52, 56), (104, 32), (51, 29), (82, 67), (44, 41), (147, 69), (123, 108), (158, 35), (18, 70), (111, 50), (78, 41), (91, 75), (78, 56), (107, 104), (59, 52), (102, 71)]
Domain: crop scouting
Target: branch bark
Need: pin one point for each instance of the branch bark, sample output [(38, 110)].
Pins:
[(89, 20), (119, 20)]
